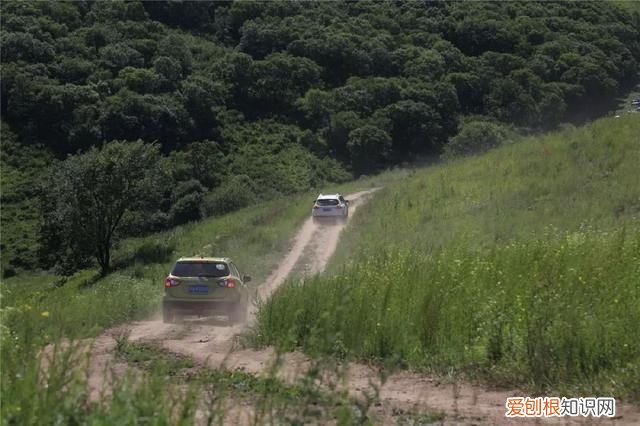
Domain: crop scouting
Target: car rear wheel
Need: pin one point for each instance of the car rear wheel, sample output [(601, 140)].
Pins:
[(168, 315), (240, 313)]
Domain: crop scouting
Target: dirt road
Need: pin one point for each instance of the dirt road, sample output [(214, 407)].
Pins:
[(215, 346), (313, 245)]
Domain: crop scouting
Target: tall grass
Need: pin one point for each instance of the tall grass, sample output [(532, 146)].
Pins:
[(560, 310), (569, 179), (520, 267), (43, 309)]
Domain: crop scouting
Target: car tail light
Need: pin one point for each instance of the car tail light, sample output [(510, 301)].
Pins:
[(338, 206), (227, 282), (171, 282), (316, 207)]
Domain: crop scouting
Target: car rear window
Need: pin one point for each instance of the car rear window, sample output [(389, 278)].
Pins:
[(200, 269), (328, 202)]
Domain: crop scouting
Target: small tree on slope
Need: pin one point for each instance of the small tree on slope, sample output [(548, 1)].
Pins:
[(87, 195)]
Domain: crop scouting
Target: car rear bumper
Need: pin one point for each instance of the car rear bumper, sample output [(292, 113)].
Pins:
[(205, 307), (329, 214)]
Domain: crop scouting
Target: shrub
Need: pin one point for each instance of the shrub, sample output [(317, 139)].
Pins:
[(474, 138), (156, 250), (186, 200), (237, 192)]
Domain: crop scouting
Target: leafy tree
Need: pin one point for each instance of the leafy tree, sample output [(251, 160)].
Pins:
[(203, 100), (237, 70), (369, 147), (317, 106), (120, 55), (175, 47), (204, 161), (414, 126), (186, 202), (160, 118), (208, 161), (169, 70), (237, 192), (337, 133), (281, 86), (188, 15), (260, 39), (366, 95), (20, 46), (475, 137), (86, 196), (140, 80), (74, 70), (280, 79), (428, 65), (469, 91)]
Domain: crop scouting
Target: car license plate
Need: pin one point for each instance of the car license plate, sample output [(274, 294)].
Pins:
[(326, 210), (199, 289)]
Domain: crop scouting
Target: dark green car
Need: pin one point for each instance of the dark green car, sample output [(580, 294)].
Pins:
[(205, 286)]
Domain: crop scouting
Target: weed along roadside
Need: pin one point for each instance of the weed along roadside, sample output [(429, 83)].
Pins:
[(80, 306), (516, 269), (389, 333), (343, 213)]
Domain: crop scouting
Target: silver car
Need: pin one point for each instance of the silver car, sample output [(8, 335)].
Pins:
[(332, 206)]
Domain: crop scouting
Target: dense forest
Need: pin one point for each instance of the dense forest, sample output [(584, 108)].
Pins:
[(251, 100)]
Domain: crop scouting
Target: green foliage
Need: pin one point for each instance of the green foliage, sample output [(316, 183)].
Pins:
[(238, 192), (186, 202), (475, 137), (155, 251), (277, 159), (87, 195), (369, 147), (183, 75), (19, 168), (40, 309), (517, 266), (505, 61), (575, 176), (556, 311)]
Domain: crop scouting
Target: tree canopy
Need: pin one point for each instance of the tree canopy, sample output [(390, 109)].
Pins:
[(87, 195), (76, 74), (308, 87)]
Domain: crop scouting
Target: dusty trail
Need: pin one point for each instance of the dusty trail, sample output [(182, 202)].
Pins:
[(214, 346), (204, 339)]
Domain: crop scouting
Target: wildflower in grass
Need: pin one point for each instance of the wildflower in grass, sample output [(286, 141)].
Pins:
[(45, 314)]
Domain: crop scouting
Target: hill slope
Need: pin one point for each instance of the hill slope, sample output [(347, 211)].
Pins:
[(289, 94), (519, 266)]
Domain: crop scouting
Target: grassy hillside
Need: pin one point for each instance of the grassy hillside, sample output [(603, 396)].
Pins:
[(519, 267), (286, 94), (568, 180), (37, 309), (80, 305)]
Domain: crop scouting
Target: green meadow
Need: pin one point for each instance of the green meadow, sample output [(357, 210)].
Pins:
[(41, 309), (520, 267)]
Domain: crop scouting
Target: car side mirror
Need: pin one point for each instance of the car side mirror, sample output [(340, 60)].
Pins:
[(246, 278)]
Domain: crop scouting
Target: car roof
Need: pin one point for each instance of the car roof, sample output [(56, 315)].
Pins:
[(205, 259), (328, 196)]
